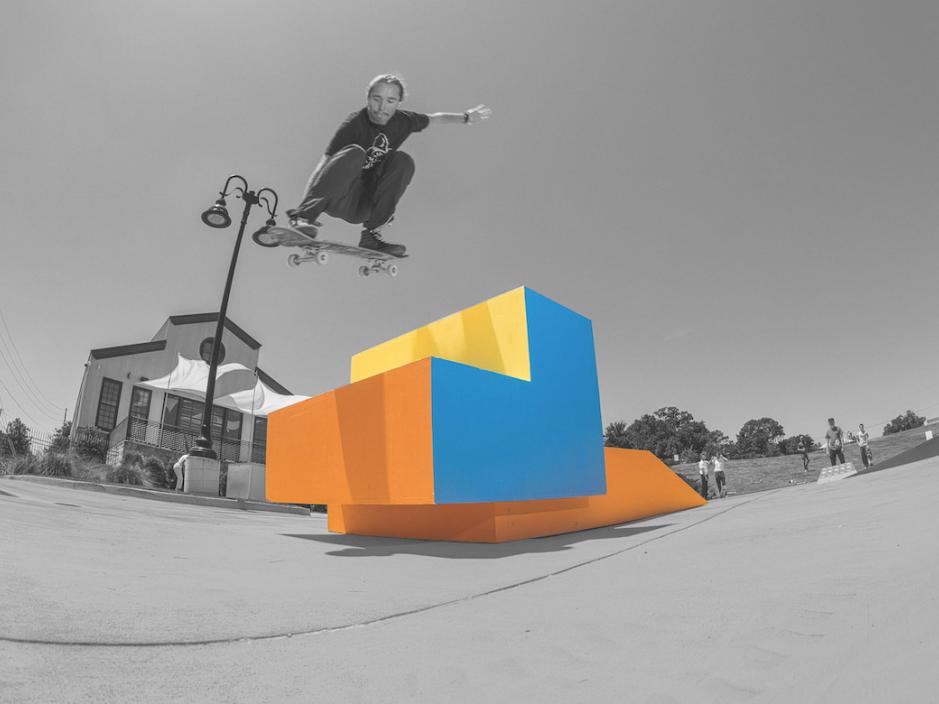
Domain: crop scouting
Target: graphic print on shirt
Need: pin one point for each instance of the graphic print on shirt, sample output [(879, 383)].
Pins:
[(377, 151)]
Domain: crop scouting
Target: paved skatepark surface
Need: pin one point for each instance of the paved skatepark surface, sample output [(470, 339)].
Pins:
[(813, 593)]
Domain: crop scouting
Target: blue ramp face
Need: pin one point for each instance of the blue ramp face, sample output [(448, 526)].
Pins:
[(500, 438)]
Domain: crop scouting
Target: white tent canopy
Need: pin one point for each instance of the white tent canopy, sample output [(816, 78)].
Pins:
[(259, 401), (191, 377)]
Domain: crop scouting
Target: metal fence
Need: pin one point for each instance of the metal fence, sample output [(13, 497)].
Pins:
[(143, 432), (29, 443), (110, 446)]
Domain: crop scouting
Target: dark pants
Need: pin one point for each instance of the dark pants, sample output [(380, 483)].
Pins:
[(866, 456), (704, 485), (805, 462), (836, 455), (342, 189), (721, 481)]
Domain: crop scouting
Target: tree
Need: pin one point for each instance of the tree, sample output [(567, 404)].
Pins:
[(16, 438), (615, 435), (59, 444), (666, 433), (759, 437), (790, 446), (907, 421)]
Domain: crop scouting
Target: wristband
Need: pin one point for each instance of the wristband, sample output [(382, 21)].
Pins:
[(466, 117)]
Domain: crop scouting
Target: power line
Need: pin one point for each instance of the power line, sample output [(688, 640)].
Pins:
[(23, 384), (19, 357), (19, 405), (39, 407)]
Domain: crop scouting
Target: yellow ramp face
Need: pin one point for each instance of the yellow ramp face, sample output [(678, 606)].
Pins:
[(492, 335)]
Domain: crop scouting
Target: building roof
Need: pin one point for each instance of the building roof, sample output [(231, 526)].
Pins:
[(270, 381), (212, 318), (158, 345), (124, 350)]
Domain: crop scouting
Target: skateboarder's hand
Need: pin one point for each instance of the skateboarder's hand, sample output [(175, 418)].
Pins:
[(478, 114)]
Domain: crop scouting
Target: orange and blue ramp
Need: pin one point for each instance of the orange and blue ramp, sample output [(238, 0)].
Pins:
[(484, 425)]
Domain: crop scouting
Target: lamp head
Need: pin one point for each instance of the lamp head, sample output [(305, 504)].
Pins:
[(259, 236), (217, 215)]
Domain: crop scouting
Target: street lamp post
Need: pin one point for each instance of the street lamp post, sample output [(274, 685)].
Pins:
[(217, 216)]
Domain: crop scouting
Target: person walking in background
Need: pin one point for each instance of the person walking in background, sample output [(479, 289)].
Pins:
[(703, 466), (835, 438), (719, 478), (863, 444), (804, 451)]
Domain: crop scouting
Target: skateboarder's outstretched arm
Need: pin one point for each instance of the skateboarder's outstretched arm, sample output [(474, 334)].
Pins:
[(468, 117)]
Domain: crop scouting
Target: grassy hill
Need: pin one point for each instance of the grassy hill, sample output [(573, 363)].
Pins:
[(746, 476)]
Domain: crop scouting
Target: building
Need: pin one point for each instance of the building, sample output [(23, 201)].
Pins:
[(114, 400)]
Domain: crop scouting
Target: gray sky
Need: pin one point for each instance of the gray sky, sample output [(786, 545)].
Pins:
[(741, 195)]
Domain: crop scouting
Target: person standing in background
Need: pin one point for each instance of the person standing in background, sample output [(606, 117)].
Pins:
[(863, 444), (179, 469), (720, 478), (835, 438), (703, 466), (804, 451)]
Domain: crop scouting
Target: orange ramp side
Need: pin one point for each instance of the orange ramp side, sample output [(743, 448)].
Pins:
[(639, 485), (369, 442)]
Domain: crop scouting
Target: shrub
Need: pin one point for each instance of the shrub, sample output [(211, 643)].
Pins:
[(60, 439), (132, 474), (87, 471), (158, 472), (53, 464), (21, 465), (90, 444)]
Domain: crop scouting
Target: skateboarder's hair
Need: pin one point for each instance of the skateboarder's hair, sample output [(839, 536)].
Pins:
[(391, 79)]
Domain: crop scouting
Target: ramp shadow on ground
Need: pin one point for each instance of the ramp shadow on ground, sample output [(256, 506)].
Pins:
[(368, 546)]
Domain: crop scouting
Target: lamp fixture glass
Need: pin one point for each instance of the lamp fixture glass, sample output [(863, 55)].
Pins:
[(217, 215)]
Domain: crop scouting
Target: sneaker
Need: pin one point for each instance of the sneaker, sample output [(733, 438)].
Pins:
[(372, 240), (310, 229)]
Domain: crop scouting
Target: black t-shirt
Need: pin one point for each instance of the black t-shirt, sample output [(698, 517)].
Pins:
[(376, 140)]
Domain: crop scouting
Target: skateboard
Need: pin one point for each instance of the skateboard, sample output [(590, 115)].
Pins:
[(317, 250)]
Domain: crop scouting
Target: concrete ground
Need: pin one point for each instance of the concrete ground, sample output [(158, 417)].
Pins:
[(810, 594)]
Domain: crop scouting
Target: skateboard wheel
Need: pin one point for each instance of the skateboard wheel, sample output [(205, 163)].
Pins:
[(293, 260), (392, 270), (364, 271), (265, 239), (322, 257)]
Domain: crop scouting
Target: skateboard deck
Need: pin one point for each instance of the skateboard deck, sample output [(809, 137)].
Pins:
[(317, 250)]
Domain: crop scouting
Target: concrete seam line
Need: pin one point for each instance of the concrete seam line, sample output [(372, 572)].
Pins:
[(388, 617)]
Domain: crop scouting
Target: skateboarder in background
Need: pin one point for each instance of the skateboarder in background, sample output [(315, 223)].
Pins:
[(362, 175), (835, 438)]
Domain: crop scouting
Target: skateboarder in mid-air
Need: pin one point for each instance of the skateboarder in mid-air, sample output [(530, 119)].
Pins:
[(362, 175)]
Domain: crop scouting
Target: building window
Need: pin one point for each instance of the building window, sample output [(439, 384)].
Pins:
[(205, 350), (259, 442), (140, 403), (185, 415), (108, 402)]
